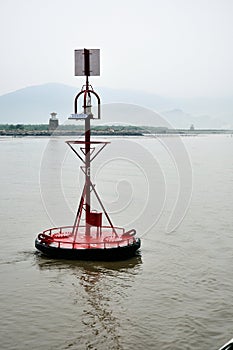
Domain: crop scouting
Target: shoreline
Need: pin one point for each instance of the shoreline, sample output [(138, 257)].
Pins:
[(169, 132), (24, 130)]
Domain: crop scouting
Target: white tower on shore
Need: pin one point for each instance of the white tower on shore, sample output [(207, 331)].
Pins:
[(53, 121)]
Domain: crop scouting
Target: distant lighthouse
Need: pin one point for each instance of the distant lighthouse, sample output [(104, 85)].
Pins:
[(53, 121)]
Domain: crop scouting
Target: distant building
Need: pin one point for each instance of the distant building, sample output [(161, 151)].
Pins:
[(53, 121), (192, 127)]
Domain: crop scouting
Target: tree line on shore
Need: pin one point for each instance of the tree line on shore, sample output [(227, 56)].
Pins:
[(72, 129)]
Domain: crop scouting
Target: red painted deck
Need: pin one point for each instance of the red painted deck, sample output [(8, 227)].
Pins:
[(102, 238)]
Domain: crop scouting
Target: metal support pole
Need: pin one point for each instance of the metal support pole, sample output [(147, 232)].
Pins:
[(87, 163), (88, 174)]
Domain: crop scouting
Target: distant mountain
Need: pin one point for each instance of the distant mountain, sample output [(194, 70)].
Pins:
[(136, 97), (179, 118), (33, 105), (183, 120)]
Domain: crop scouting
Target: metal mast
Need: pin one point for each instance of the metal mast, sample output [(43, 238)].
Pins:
[(86, 63), (87, 111)]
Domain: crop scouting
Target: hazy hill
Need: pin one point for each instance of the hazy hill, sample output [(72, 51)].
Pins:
[(181, 119), (35, 103)]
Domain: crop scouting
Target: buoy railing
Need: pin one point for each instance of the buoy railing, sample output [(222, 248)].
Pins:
[(92, 245), (81, 229), (58, 237)]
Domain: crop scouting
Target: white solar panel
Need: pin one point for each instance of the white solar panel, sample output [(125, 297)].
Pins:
[(91, 63)]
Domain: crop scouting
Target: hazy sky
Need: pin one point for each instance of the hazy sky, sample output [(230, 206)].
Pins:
[(169, 47)]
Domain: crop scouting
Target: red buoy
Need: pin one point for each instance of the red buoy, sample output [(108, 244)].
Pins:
[(91, 240)]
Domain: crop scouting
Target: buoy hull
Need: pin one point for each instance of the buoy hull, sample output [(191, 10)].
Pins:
[(100, 254)]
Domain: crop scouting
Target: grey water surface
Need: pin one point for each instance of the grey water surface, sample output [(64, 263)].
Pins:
[(177, 293)]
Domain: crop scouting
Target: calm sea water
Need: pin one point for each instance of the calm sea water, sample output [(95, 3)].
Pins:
[(176, 294)]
